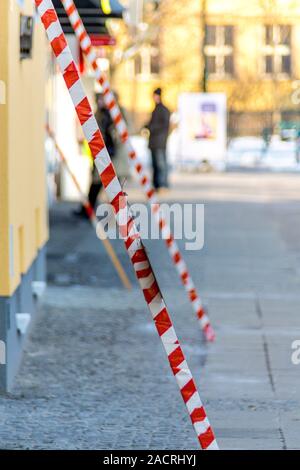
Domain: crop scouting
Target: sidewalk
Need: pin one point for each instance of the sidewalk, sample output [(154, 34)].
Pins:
[(95, 374)]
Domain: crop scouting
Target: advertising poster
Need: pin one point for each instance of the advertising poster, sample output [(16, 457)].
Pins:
[(202, 128)]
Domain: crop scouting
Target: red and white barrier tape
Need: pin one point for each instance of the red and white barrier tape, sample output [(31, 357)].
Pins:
[(121, 127), (92, 216), (133, 241)]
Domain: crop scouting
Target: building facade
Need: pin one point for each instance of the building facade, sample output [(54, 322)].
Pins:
[(245, 48), (23, 221)]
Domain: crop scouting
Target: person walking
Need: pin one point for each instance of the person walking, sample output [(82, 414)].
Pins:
[(158, 127), (106, 126)]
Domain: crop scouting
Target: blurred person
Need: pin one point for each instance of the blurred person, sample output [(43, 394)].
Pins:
[(267, 136), (158, 127), (121, 162), (106, 127)]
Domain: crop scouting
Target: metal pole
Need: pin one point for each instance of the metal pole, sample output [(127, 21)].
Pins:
[(203, 11)]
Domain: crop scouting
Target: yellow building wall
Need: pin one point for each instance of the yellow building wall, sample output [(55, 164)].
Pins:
[(4, 235), (23, 228)]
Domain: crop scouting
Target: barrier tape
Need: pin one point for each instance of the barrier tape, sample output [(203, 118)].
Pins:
[(92, 216), (133, 242), (122, 130)]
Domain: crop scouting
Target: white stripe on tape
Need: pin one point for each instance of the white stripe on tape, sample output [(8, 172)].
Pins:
[(90, 127), (156, 305), (92, 56), (121, 126), (79, 30), (194, 402), (114, 112), (134, 247), (44, 6), (169, 336), (85, 42), (64, 59), (54, 30), (213, 445), (201, 426), (183, 377), (77, 94), (113, 189), (74, 17), (102, 160), (141, 266), (67, 3), (170, 347), (146, 282)]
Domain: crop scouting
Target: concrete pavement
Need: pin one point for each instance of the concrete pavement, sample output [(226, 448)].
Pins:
[(94, 373)]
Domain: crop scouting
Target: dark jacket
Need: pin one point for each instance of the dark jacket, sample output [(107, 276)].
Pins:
[(159, 127), (106, 126)]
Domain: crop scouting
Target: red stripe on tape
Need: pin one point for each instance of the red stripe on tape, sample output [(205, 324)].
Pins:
[(71, 75), (119, 202), (150, 193), (201, 313), (169, 240), (143, 273), (177, 257), (124, 137), (198, 415), (108, 175), (96, 144), (77, 24), (84, 111), (71, 9), (48, 18), (185, 276), (176, 358), (207, 438), (118, 118), (188, 390), (59, 44), (151, 292), (111, 105), (139, 256), (162, 322), (193, 295)]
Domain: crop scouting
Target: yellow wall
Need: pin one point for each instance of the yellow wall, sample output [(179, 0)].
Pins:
[(23, 221), (4, 259)]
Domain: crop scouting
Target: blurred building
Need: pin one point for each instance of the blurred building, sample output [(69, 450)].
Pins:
[(23, 221), (246, 48)]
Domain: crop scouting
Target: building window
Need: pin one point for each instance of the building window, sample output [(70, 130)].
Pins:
[(147, 62), (219, 51), (277, 51)]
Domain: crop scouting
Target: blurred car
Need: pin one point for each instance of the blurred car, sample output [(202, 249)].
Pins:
[(252, 152), (245, 151), (281, 155)]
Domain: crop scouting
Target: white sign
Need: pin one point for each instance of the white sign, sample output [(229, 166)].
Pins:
[(202, 127)]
